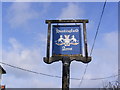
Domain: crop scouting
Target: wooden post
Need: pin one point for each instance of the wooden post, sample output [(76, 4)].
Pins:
[(66, 73), (48, 41), (85, 40)]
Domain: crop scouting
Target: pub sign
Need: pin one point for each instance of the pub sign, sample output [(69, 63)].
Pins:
[(66, 40)]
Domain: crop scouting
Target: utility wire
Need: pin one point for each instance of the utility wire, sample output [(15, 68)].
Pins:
[(98, 27), (29, 70), (16, 67), (94, 40), (83, 75)]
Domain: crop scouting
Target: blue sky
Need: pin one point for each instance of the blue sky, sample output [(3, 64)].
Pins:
[(24, 35)]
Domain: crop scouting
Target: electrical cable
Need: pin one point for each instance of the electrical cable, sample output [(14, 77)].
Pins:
[(29, 70), (94, 40), (53, 75)]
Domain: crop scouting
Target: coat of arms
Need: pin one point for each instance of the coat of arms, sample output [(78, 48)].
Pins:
[(67, 41)]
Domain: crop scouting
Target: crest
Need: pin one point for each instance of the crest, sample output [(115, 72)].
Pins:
[(67, 40)]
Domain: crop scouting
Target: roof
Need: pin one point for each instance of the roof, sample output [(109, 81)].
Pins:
[(3, 71)]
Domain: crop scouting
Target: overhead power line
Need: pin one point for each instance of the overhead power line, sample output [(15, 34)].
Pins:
[(96, 34), (16, 67), (83, 74), (29, 70)]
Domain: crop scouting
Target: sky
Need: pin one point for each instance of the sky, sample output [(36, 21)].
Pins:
[(24, 35)]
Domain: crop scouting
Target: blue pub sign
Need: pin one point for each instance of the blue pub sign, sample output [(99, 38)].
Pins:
[(66, 40)]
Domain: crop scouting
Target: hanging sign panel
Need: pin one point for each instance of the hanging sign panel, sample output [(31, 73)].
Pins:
[(66, 40)]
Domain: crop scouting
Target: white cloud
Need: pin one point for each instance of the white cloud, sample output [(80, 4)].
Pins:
[(72, 11), (112, 39), (28, 58), (20, 56), (15, 45), (20, 14)]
